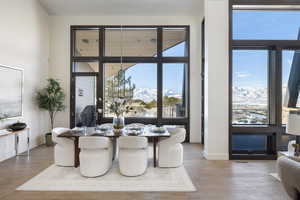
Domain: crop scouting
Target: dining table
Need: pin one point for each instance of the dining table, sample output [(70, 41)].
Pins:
[(147, 132)]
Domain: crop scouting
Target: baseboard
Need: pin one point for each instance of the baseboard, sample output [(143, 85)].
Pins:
[(216, 156)]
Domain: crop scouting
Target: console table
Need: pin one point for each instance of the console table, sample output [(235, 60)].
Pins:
[(17, 140)]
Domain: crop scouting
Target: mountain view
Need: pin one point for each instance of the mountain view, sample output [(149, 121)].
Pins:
[(250, 96), (149, 94), (249, 105)]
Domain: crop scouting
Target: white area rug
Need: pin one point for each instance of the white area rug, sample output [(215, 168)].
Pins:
[(69, 179), (275, 175)]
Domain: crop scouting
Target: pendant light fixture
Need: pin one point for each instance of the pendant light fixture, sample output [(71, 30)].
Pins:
[(121, 44), (121, 74)]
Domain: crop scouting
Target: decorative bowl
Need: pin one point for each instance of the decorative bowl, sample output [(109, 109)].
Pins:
[(18, 126), (158, 130)]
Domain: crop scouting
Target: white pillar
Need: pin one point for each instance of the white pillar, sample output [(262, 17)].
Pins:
[(216, 80)]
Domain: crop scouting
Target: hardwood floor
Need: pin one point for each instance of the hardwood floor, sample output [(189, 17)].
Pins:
[(214, 180)]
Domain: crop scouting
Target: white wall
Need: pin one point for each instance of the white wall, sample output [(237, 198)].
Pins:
[(24, 43), (60, 54), (216, 79)]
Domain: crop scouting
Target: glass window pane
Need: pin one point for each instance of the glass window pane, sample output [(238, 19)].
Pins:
[(174, 42), (85, 67), (249, 142), (86, 43), (250, 87), (290, 82), (85, 101), (265, 25), (174, 90), (144, 79), (134, 42)]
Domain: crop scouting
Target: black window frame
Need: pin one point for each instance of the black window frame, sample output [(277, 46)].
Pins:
[(275, 129), (159, 60)]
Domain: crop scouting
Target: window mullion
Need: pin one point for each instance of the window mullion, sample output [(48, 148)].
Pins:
[(100, 80), (159, 74), (272, 86), (278, 77)]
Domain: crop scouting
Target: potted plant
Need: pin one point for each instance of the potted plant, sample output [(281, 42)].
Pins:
[(119, 107), (51, 98)]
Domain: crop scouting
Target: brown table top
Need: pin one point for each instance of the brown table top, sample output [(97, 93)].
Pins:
[(6, 132), (93, 132)]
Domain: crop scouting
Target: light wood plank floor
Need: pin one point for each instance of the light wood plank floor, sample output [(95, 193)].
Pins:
[(214, 180)]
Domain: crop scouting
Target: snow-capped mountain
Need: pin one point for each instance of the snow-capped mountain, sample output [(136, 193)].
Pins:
[(250, 96), (149, 94), (145, 94), (172, 93)]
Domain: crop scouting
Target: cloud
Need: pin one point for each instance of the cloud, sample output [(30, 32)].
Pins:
[(243, 74)]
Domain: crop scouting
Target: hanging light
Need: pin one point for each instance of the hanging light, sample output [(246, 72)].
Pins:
[(121, 71), (121, 44)]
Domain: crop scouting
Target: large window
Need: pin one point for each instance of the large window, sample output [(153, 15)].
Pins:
[(174, 43), (174, 83), (86, 43), (249, 142), (144, 101), (135, 42), (250, 87), (155, 61), (290, 82), (265, 25), (265, 80)]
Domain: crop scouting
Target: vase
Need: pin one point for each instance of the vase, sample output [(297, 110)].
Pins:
[(118, 123)]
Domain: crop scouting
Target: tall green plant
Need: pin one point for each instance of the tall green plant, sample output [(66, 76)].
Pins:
[(51, 98)]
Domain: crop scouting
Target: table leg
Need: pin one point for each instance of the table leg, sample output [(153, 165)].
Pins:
[(76, 152), (154, 151), (114, 141), (17, 144), (28, 141)]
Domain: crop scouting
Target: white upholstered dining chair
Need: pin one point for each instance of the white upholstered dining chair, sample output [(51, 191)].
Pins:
[(170, 150), (291, 148), (133, 155), (64, 148), (95, 155), (108, 127)]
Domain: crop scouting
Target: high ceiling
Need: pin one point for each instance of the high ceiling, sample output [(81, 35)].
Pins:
[(123, 7)]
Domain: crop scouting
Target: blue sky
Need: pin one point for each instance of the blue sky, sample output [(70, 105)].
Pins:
[(250, 67), (145, 75), (266, 25)]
